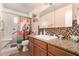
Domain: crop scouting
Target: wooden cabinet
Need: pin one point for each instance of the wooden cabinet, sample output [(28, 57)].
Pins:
[(41, 48), (39, 51), (36, 50), (37, 47), (43, 52), (41, 44), (57, 51), (31, 46)]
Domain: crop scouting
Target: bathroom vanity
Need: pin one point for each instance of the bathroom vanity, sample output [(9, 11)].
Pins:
[(42, 47)]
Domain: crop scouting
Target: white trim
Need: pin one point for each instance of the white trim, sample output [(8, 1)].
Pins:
[(6, 10)]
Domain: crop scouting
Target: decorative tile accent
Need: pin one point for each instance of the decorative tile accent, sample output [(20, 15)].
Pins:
[(66, 31)]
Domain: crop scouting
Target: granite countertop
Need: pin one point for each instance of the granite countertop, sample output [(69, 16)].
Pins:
[(64, 44)]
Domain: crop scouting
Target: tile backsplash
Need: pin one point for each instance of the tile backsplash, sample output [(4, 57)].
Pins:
[(66, 31)]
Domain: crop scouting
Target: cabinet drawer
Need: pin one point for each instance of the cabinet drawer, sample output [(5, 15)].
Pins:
[(39, 51), (58, 52), (41, 44)]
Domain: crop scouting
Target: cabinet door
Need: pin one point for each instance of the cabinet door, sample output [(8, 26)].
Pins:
[(43, 52), (41, 44), (36, 50), (58, 52), (39, 51)]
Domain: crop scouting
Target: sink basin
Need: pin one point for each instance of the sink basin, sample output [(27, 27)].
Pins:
[(46, 37)]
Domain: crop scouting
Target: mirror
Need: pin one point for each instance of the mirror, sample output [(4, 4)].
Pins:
[(57, 15), (47, 17)]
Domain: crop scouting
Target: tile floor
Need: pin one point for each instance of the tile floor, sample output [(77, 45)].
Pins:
[(20, 53)]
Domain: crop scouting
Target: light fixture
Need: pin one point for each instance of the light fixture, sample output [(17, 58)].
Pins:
[(49, 4)]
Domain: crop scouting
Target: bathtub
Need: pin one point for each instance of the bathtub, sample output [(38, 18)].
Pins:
[(6, 49), (4, 42)]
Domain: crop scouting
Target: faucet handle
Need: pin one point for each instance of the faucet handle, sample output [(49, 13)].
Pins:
[(48, 33), (60, 36)]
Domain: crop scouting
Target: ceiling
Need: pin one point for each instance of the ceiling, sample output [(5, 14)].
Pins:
[(21, 7), (27, 7)]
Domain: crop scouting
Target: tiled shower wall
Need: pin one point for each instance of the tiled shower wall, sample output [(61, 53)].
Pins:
[(66, 31)]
